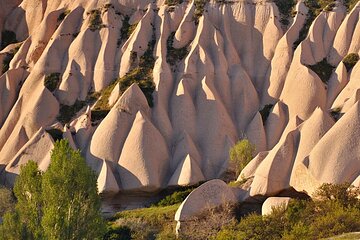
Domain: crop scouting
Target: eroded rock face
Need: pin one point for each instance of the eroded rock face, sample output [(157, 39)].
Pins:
[(201, 85)]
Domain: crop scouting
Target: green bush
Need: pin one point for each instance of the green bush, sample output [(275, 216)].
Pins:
[(7, 38), (52, 81), (323, 69), (350, 60), (174, 198), (61, 203), (241, 154), (95, 20)]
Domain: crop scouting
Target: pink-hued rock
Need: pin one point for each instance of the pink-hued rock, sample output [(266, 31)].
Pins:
[(274, 202)]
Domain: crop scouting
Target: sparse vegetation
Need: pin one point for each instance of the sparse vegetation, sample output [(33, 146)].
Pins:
[(8, 57), (350, 4), (141, 75), (199, 9), (323, 69), (173, 2), (52, 81), (315, 7), (175, 55), (126, 30), (285, 8), (63, 15), (241, 154), (95, 21), (265, 112), (175, 197), (7, 38), (66, 112), (350, 60)]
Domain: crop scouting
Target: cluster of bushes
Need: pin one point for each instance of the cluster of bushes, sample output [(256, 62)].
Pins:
[(175, 55), (61, 203), (335, 210), (7, 59), (143, 224), (323, 69), (95, 21), (7, 38), (350, 60)]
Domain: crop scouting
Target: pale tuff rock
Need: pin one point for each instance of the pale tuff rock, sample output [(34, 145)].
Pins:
[(106, 181), (275, 124), (142, 168), (38, 149), (256, 134), (210, 194), (274, 202), (250, 169)]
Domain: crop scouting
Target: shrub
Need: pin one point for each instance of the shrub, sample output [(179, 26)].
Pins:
[(323, 69), (7, 38), (241, 154), (350, 60), (52, 81), (174, 198), (95, 20)]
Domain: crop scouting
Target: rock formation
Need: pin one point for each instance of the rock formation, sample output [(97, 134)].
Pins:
[(155, 95)]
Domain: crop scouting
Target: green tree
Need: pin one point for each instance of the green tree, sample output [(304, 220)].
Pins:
[(241, 154), (61, 203), (72, 205), (25, 221)]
